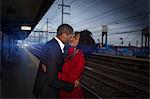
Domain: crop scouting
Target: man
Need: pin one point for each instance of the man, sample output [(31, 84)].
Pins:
[(47, 84)]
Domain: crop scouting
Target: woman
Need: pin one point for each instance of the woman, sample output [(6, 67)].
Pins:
[(81, 46)]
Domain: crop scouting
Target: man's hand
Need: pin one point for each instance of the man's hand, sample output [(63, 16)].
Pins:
[(76, 83), (43, 68)]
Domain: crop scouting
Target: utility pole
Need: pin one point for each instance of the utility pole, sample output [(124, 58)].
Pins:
[(47, 31), (62, 8)]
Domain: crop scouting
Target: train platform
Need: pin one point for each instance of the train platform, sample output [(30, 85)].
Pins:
[(122, 77), (18, 75)]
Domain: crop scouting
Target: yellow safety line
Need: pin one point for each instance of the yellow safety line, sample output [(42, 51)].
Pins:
[(33, 58)]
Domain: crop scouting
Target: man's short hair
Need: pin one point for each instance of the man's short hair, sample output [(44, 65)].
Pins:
[(61, 28)]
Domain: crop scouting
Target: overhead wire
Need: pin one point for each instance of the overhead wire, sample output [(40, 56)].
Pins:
[(104, 13), (117, 23), (91, 6)]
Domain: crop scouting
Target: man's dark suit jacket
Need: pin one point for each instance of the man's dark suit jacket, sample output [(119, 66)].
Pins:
[(47, 85)]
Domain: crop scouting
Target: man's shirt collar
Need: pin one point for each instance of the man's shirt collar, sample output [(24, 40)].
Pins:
[(60, 44)]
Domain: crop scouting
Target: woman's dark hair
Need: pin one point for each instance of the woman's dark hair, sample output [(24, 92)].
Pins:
[(86, 38), (86, 42)]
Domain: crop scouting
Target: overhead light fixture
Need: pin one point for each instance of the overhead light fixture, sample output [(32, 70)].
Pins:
[(25, 28)]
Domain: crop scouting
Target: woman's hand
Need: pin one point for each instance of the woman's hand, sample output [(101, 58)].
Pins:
[(44, 68), (76, 83)]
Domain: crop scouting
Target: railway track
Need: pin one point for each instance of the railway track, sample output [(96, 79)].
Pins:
[(111, 76)]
